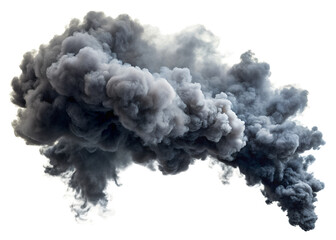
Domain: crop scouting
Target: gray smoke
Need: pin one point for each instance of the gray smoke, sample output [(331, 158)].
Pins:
[(109, 92)]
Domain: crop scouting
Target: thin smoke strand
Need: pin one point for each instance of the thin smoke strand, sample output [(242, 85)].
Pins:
[(110, 92)]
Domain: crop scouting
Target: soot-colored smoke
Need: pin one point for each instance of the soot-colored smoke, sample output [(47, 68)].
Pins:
[(109, 92)]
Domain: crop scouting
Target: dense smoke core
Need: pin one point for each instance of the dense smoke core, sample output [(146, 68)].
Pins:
[(110, 92)]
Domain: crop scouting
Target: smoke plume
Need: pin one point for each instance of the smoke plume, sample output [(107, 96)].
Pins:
[(110, 92)]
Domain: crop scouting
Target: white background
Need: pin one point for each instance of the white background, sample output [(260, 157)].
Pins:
[(297, 38)]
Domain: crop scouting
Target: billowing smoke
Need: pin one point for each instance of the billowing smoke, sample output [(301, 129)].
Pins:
[(109, 92)]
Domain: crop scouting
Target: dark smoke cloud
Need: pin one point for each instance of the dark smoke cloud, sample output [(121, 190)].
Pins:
[(110, 92)]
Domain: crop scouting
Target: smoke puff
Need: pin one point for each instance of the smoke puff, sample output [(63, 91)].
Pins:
[(110, 92)]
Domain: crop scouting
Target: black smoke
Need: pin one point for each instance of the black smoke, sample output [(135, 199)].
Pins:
[(110, 92)]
